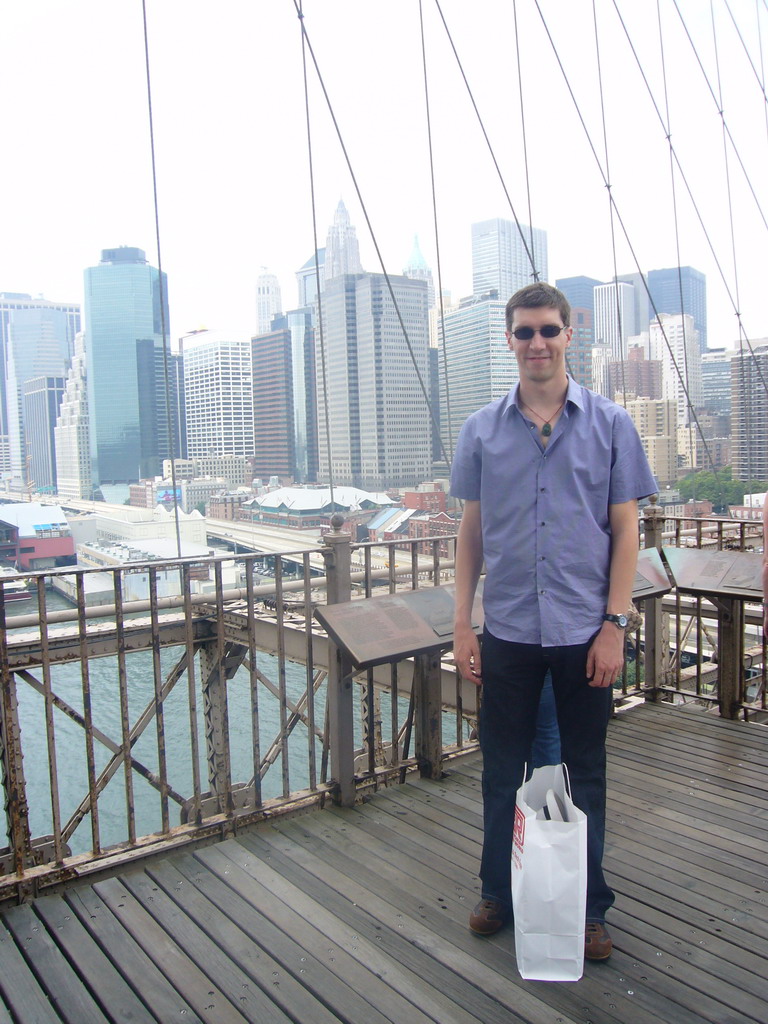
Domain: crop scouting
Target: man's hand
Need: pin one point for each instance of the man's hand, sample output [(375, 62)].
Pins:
[(466, 653), (605, 658)]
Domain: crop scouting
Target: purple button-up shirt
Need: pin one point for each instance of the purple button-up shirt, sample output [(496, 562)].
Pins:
[(546, 532)]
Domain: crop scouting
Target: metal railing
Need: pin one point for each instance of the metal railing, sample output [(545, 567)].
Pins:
[(150, 705)]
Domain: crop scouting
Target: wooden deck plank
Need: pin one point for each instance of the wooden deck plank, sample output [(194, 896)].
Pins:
[(55, 975), (358, 958), (360, 916), (208, 1001), (117, 1000), (20, 990), (139, 971), (222, 914)]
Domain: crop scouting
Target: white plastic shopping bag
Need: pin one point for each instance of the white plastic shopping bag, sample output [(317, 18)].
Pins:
[(549, 878)]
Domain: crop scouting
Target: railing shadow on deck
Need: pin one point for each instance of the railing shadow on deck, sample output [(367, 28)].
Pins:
[(177, 702)]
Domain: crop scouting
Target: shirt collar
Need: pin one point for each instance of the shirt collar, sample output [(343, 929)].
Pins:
[(574, 395)]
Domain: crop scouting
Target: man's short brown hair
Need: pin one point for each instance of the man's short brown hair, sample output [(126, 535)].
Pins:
[(536, 295)]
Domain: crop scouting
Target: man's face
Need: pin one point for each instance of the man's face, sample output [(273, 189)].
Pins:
[(540, 359)]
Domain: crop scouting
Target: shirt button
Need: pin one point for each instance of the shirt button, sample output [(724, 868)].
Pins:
[(542, 591), (543, 558), (543, 524), (542, 489)]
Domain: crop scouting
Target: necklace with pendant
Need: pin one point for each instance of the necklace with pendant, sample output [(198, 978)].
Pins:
[(546, 428)]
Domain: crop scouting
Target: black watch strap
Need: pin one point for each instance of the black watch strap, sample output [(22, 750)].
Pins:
[(619, 621)]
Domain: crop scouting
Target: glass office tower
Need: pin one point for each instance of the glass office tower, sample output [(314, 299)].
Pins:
[(126, 381)]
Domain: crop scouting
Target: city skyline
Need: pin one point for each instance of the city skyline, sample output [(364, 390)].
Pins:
[(230, 135)]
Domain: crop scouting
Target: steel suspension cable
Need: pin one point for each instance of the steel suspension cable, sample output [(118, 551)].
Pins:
[(161, 286), (619, 324), (321, 334), (441, 305), (528, 252), (371, 232)]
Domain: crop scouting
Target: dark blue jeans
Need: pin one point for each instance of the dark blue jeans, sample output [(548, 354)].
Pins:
[(546, 740), (513, 675)]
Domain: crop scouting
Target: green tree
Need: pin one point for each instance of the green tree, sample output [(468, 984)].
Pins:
[(720, 488)]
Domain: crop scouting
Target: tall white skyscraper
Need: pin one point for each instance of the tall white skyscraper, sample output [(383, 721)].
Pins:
[(417, 269), (36, 339), (615, 317), (378, 416), (218, 395), (342, 251), (475, 365), (506, 257), (269, 302), (675, 341), (73, 456)]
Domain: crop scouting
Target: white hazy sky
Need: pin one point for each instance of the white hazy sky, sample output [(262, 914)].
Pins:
[(231, 141)]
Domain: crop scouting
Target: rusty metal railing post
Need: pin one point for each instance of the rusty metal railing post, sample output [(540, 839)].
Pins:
[(337, 556), (656, 625), (427, 687)]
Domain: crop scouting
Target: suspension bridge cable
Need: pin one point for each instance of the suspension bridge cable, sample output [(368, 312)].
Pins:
[(613, 201), (684, 179), (523, 132), (441, 305), (619, 325), (720, 112), (161, 287), (762, 62), (321, 335), (676, 223), (528, 252), (747, 53), (374, 239)]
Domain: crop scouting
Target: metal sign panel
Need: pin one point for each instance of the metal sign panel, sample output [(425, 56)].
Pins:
[(651, 578), (728, 573), (377, 630)]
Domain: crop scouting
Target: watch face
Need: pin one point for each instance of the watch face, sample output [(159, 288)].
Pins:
[(622, 621)]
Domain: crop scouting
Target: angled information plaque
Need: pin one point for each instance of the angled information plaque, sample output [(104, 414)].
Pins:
[(726, 573), (376, 630), (651, 578)]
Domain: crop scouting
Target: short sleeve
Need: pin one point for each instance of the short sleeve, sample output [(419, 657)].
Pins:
[(466, 471), (631, 475)]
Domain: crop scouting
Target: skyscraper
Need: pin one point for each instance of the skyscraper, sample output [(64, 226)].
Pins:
[(475, 365), (507, 257), (749, 414), (675, 341), (41, 401), (71, 435), (126, 311), (218, 395), (614, 317), (307, 279), (284, 400), (580, 292), (269, 302), (418, 270), (378, 416), (342, 251), (36, 338), (681, 290)]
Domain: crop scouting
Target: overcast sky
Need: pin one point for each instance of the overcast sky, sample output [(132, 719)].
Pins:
[(231, 141)]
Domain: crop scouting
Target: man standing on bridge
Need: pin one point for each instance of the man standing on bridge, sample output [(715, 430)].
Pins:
[(550, 476)]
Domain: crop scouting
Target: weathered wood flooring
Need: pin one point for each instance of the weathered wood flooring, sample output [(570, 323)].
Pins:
[(360, 916)]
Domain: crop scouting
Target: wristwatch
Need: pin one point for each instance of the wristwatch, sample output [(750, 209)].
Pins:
[(620, 621)]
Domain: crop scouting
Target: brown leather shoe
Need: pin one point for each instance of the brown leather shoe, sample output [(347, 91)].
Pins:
[(597, 942), (488, 917)]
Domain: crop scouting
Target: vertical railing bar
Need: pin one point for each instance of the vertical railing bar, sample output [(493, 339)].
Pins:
[(221, 667), (414, 566), (436, 562), (50, 729), (125, 724), (367, 566), (253, 677), (394, 715), (370, 723), (157, 676), (310, 673), (282, 686), (87, 713), (459, 714), (194, 739), (699, 634), (392, 564)]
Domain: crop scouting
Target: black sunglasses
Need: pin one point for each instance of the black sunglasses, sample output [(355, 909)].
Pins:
[(547, 331)]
